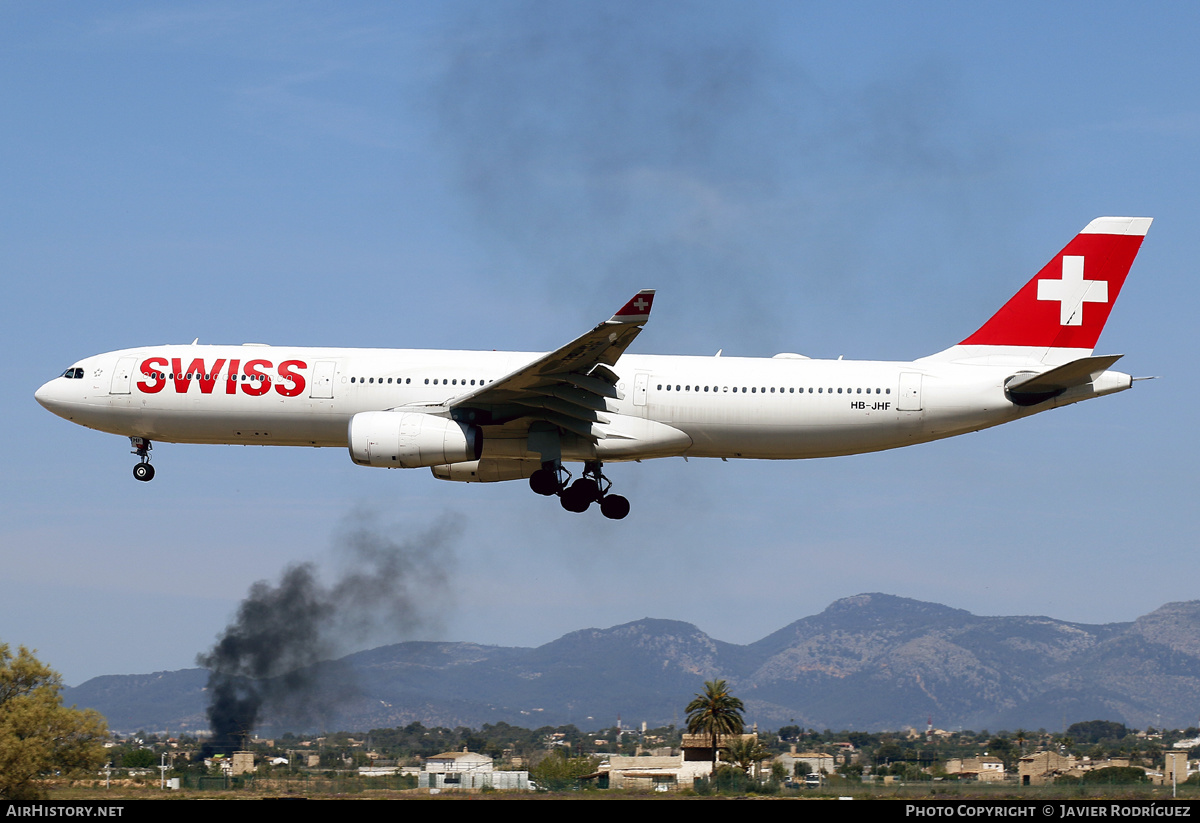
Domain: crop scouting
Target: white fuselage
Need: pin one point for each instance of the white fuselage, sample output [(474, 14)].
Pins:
[(787, 407)]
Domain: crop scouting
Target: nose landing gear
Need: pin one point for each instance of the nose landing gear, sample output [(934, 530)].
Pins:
[(591, 488), (141, 447)]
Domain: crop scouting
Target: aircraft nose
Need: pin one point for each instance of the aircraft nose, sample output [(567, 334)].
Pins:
[(42, 395), (50, 396)]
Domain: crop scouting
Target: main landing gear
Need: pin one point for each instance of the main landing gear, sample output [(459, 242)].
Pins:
[(592, 487), (141, 447)]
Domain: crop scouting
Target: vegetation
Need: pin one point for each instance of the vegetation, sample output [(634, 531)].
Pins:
[(1113, 775), (905, 764), (558, 771), (905, 755), (890, 763), (715, 713), (1094, 731), (727, 780), (138, 758), (38, 735), (746, 753)]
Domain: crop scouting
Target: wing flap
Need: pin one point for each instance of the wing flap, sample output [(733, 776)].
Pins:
[(600, 388), (575, 397), (579, 427), (563, 407)]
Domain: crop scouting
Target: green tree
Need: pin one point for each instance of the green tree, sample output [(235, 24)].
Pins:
[(789, 733), (139, 759), (1093, 731), (726, 780), (1003, 748), (716, 712), (559, 771), (888, 752), (38, 735), (746, 753), (1113, 775)]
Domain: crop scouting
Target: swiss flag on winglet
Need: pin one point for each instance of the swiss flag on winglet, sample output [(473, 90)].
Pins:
[(638, 307), (1067, 304)]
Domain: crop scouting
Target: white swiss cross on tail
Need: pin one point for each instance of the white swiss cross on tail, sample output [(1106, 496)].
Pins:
[(636, 310), (1072, 291), (1049, 319)]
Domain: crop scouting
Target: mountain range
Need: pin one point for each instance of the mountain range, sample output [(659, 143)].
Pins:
[(869, 662)]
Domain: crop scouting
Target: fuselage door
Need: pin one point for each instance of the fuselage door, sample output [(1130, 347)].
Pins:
[(641, 383), (322, 380), (910, 392), (122, 375)]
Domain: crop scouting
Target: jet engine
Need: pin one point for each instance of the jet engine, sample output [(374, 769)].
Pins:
[(409, 440)]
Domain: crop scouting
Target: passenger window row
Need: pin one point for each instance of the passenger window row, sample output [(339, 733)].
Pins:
[(434, 381), (198, 376), (769, 389)]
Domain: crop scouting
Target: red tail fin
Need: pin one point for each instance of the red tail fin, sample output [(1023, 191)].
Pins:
[(1066, 305)]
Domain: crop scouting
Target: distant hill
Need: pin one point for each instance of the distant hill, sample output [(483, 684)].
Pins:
[(870, 662), (161, 700)]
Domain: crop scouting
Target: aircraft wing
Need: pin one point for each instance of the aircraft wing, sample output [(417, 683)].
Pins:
[(567, 387)]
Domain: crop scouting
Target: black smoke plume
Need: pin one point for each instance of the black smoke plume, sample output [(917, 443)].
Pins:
[(274, 657)]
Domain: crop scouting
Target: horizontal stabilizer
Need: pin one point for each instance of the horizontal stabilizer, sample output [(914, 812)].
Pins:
[(1076, 373)]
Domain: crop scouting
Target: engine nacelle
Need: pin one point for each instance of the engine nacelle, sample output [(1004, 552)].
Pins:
[(409, 440), (487, 471)]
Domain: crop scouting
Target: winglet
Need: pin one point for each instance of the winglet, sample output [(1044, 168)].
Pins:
[(637, 310)]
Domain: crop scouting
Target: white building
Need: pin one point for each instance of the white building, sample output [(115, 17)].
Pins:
[(663, 774), (467, 770), (463, 761)]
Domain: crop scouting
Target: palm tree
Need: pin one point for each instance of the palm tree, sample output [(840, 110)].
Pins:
[(746, 753), (714, 713)]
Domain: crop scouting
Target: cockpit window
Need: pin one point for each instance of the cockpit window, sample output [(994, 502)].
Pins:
[(74, 373)]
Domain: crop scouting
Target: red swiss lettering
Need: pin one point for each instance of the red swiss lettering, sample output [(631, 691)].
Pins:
[(288, 373), (152, 368), (181, 382), (232, 380), (256, 382), (196, 371), (259, 382)]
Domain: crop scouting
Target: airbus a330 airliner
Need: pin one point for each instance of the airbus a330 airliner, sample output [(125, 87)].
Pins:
[(486, 416)]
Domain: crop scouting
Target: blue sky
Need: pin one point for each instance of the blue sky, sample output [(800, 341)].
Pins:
[(867, 180)]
